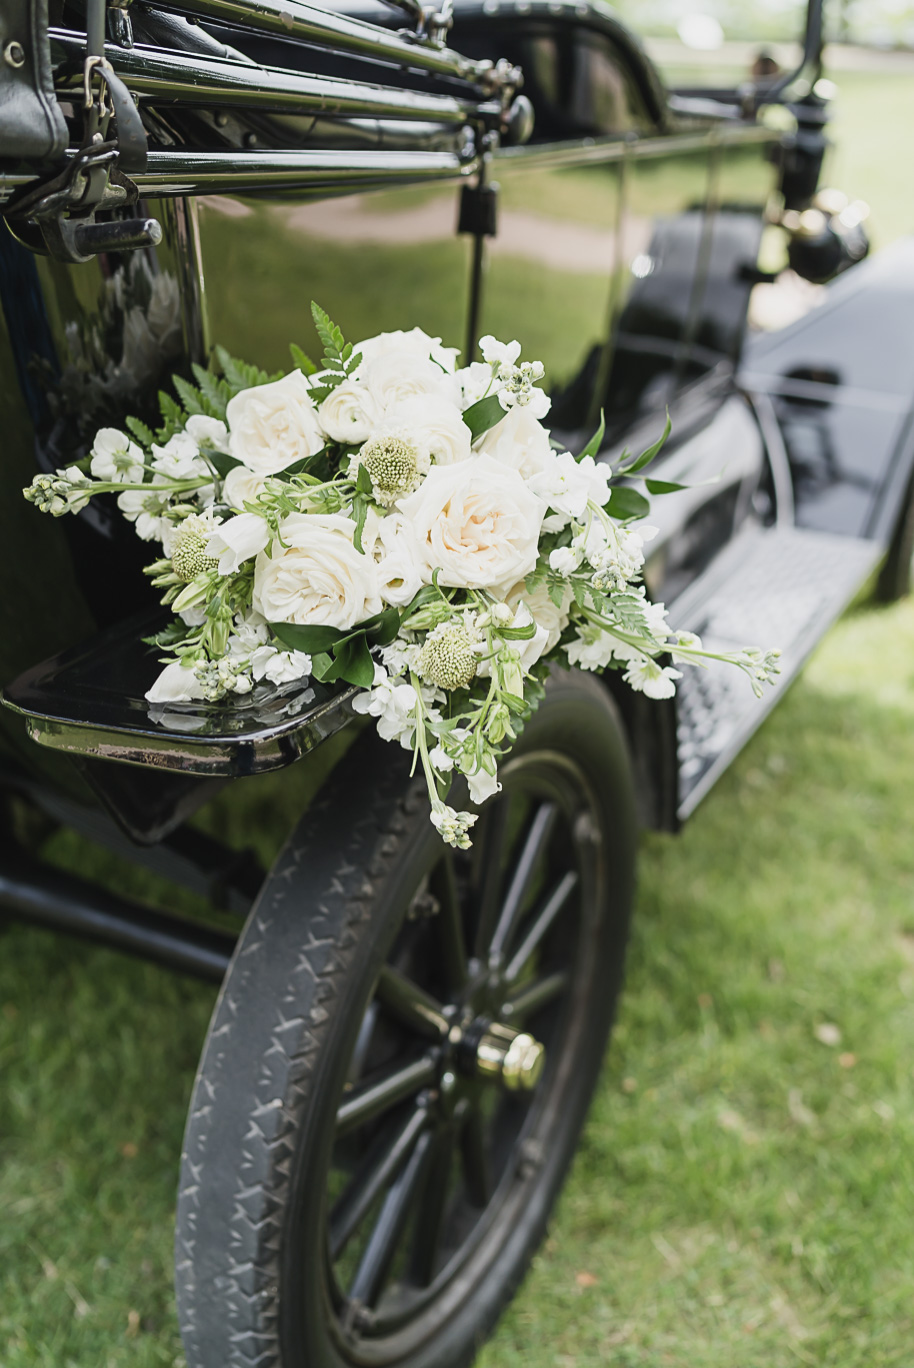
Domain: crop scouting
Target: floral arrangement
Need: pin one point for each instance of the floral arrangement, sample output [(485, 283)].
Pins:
[(396, 522)]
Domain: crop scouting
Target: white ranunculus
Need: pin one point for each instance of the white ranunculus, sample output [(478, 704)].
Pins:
[(272, 426), (176, 684), (317, 578), (242, 486), (208, 432), (414, 343), (477, 523), (550, 618), (279, 667), (399, 563), (436, 426), (237, 541), (349, 413), (396, 376), (115, 457), (519, 441)]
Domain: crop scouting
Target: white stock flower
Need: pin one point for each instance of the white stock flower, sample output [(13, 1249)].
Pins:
[(567, 485), (477, 523), (179, 458), (146, 511), (395, 377), (176, 684), (317, 578), (242, 486), (436, 425), (248, 634), (115, 457), (564, 560), (394, 706), (279, 667), (519, 441), (591, 649), (498, 353), (272, 426), (474, 382), (237, 541), (208, 432), (415, 342), (551, 618), (440, 760), (349, 413), (656, 681)]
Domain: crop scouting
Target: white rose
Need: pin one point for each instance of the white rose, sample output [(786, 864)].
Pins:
[(242, 486), (206, 431), (349, 413), (318, 578), (272, 426), (176, 684), (477, 522), (519, 441), (399, 563), (396, 376), (237, 540), (414, 343), (553, 620), (115, 457), (436, 426)]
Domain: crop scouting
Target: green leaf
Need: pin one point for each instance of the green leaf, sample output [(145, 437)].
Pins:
[(173, 417), (307, 639), (360, 506), (627, 503), (518, 633), (216, 393), (644, 460), (593, 446), (320, 664), (331, 338), (189, 395), (301, 360), (352, 662), (140, 431), (382, 629), (221, 462), (663, 486), (240, 376), (482, 415), (362, 480)]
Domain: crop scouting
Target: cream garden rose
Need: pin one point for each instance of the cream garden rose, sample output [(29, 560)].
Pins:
[(242, 485), (519, 441), (477, 523), (436, 426), (349, 413), (272, 426), (317, 578), (394, 377)]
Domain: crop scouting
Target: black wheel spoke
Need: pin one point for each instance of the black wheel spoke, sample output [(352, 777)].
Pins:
[(489, 880), (360, 1053), (534, 843), (411, 1004), (383, 1241), (450, 923), (373, 1099), (380, 1169), (431, 1213), (477, 1169), (541, 924), (535, 995)]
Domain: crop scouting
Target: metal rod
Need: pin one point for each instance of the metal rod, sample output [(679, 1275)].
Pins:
[(201, 173), (47, 897), (161, 77), (293, 19)]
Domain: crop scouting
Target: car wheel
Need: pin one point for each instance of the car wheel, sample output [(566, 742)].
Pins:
[(402, 1055)]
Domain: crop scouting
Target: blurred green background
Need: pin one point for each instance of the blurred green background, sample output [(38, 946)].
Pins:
[(743, 1194)]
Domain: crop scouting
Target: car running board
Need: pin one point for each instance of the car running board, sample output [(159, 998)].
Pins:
[(776, 587)]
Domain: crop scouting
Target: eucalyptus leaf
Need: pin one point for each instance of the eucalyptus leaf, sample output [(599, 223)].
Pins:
[(663, 486), (644, 460)]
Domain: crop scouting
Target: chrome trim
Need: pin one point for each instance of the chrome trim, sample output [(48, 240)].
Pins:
[(293, 19), (168, 77), (202, 173)]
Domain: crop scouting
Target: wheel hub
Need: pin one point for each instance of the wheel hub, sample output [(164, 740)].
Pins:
[(499, 1054)]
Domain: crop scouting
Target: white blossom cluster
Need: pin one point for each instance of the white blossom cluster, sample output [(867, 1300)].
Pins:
[(447, 511)]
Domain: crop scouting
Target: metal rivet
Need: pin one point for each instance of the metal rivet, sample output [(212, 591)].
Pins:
[(221, 119), (14, 55), (250, 139)]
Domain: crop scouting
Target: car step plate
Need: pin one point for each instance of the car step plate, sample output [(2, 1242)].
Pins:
[(779, 587)]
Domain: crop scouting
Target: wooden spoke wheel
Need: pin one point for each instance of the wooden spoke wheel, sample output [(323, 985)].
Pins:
[(402, 1056)]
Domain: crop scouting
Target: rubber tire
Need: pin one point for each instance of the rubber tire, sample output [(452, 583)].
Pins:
[(312, 945), (896, 578)]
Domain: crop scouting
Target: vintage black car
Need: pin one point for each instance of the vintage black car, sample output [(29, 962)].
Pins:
[(375, 1138)]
